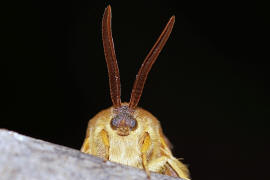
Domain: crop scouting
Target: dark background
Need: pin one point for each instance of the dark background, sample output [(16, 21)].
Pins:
[(209, 86)]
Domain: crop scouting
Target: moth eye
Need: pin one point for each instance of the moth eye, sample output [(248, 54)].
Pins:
[(114, 123), (133, 124)]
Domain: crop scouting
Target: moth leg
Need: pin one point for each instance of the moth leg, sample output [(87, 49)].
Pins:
[(180, 168), (168, 166), (157, 165), (145, 147), (170, 171), (105, 140), (85, 147)]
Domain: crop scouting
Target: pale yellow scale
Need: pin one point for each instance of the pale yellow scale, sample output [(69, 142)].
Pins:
[(128, 149)]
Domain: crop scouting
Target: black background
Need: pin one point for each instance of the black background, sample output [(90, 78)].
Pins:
[(209, 86)]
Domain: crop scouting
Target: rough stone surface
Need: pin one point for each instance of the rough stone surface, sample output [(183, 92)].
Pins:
[(25, 158)]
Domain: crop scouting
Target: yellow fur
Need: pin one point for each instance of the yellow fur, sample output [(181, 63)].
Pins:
[(129, 150)]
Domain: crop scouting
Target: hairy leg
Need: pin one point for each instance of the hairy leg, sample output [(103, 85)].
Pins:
[(145, 147), (105, 140)]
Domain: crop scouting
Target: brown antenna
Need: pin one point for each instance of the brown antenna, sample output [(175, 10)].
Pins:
[(113, 71), (147, 64)]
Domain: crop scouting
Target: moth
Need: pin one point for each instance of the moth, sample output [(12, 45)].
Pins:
[(126, 133)]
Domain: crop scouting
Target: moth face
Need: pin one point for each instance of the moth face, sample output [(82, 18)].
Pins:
[(123, 122)]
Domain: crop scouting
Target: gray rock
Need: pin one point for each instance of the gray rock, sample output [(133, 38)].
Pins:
[(25, 158)]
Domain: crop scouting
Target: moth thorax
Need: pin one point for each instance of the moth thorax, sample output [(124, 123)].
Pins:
[(123, 121)]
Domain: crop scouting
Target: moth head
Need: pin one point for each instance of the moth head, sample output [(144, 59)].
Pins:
[(123, 120)]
